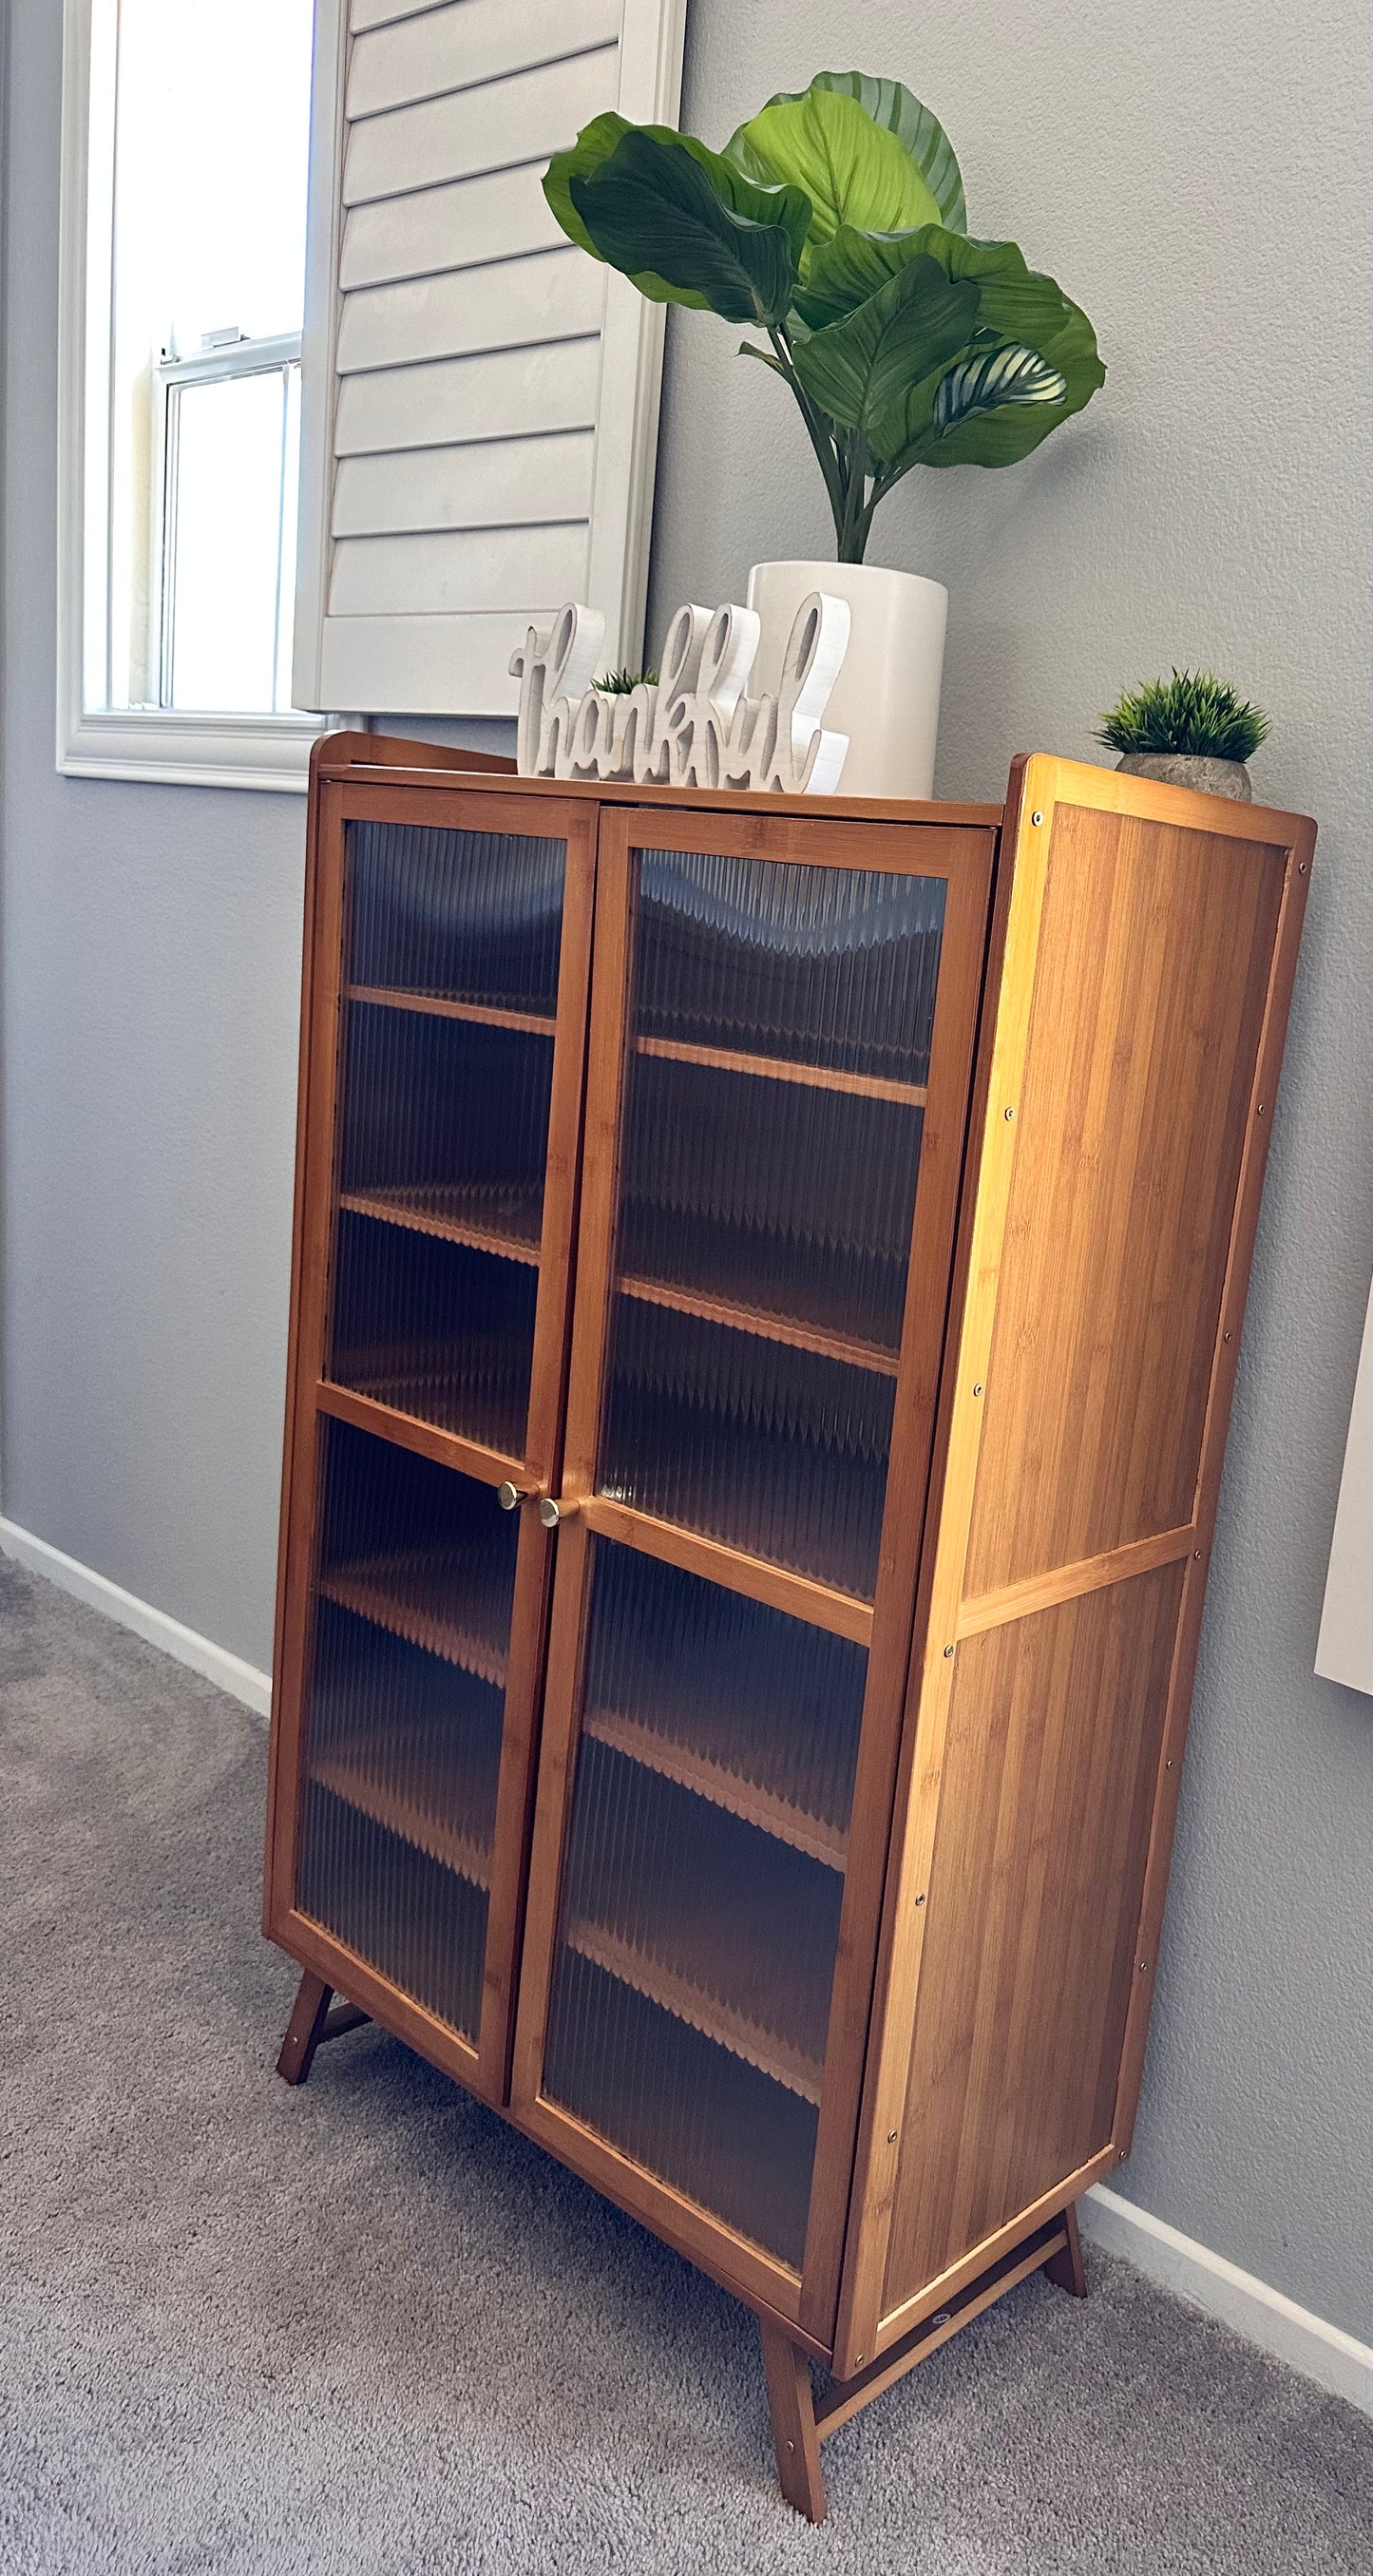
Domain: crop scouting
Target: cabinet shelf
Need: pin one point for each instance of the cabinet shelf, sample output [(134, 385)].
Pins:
[(770, 2051), (440, 1776), (800, 1336), (453, 1214), (486, 1015), (714, 1780), (818, 1077), (411, 1596)]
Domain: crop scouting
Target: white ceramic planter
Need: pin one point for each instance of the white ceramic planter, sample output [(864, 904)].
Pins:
[(886, 698)]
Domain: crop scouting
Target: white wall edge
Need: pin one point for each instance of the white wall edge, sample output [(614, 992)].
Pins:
[(229, 1672), (1325, 2353)]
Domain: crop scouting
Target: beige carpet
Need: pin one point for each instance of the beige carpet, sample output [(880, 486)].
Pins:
[(364, 2328)]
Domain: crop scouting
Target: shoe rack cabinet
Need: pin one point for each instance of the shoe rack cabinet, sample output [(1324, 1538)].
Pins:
[(768, 1281)]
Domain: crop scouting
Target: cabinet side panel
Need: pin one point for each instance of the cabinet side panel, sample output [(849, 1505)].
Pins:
[(1154, 959), (1049, 1769)]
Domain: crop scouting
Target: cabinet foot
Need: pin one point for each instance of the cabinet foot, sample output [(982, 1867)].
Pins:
[(791, 2404), (1067, 2270), (311, 2021)]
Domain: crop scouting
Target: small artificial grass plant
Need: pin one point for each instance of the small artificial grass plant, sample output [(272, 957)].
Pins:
[(622, 684), (1192, 712)]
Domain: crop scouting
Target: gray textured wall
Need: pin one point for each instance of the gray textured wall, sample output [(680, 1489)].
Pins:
[(1195, 184)]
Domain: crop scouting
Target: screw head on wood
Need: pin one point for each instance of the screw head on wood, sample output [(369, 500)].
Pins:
[(947, 1652), (920, 1899), (1261, 1108), (891, 2137), (1010, 1113), (859, 2359), (1301, 867), (977, 1390), (1036, 818)]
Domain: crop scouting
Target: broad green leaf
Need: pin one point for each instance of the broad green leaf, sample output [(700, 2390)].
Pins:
[(860, 370), (689, 228), (1019, 307), (844, 271), (894, 109), (853, 170)]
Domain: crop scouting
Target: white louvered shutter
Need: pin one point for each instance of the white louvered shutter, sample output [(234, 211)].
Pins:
[(480, 399)]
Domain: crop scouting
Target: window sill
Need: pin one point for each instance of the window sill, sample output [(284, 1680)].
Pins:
[(162, 749)]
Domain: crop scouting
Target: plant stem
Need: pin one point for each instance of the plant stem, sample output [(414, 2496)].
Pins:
[(819, 437)]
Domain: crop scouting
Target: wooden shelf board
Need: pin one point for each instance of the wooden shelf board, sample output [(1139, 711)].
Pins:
[(412, 1598), (724, 1788), (455, 1846), (437, 1006), (869, 1086), (390, 1209), (768, 1327), (767, 2050)]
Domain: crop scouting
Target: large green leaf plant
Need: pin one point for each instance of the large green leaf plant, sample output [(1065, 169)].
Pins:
[(834, 223)]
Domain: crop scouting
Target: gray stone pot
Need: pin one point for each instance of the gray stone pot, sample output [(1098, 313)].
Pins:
[(1192, 769)]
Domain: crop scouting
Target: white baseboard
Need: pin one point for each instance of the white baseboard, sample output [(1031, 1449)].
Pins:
[(1325, 2353), (229, 1672)]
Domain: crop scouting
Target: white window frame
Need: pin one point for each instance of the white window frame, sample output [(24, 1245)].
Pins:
[(160, 745), (269, 356)]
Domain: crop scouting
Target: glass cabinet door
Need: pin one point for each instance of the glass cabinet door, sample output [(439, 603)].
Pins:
[(765, 1243), (445, 1081)]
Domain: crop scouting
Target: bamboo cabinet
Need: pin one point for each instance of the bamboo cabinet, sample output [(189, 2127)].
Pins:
[(768, 1282)]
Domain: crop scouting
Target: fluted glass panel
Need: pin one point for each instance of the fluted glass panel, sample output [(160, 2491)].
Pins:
[(434, 1329), (832, 967), (768, 1448), (445, 1126), (752, 1709), (474, 916), (702, 1886), (778, 1051), (404, 1716), (781, 1199)]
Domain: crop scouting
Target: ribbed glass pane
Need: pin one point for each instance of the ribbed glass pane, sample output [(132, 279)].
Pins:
[(779, 1044), (475, 916), (404, 1716), (434, 1329), (770, 1449), (775, 1197), (822, 966), (703, 1879), (445, 1125)]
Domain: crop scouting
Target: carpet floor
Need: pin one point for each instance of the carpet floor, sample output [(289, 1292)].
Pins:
[(365, 2327)]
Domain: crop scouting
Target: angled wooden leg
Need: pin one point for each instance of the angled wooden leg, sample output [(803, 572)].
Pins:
[(305, 2029), (1067, 2271), (791, 2404)]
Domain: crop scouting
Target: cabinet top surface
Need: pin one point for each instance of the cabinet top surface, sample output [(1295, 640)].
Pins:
[(370, 759), (366, 758)]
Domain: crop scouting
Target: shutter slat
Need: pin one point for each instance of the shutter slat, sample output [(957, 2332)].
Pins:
[(555, 295), (501, 394), (460, 570), (507, 483), (383, 13), (449, 665), (470, 41), (521, 119), (458, 226)]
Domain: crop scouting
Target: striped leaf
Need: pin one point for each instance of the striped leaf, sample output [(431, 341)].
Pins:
[(1010, 374)]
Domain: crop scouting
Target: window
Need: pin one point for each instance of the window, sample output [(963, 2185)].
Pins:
[(185, 158)]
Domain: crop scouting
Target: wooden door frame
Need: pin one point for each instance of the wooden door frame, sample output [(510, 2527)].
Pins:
[(446, 803), (963, 856)]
